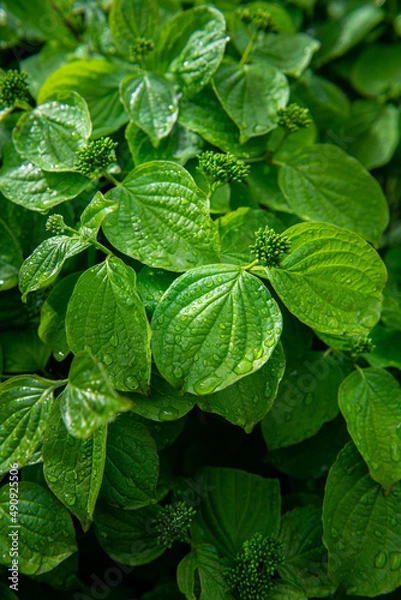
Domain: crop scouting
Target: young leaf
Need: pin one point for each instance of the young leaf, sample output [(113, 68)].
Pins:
[(163, 218), (132, 464), (370, 401), (25, 404), (151, 102), (94, 214), (73, 468), (46, 261), (51, 134), (231, 494), (152, 283), (325, 184), (251, 95), (10, 258), (46, 534), (106, 317), (362, 528), (331, 280), (89, 402), (377, 71), (130, 20), (204, 564), (214, 325)]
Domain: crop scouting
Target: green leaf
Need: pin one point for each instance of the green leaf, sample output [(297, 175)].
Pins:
[(362, 528), (204, 564), (151, 102), (377, 71), (6, 593), (163, 218), (205, 115), (132, 464), (325, 184), (131, 19), (94, 214), (237, 232), (152, 283), (51, 134), (229, 494), (307, 398), (331, 280), (74, 468), (46, 533), (25, 404), (10, 258), (387, 347), (41, 19), (24, 183), (305, 557), (127, 536), (263, 185), (247, 401), (24, 351), (106, 317), (214, 325), (283, 590), (97, 80), (44, 264), (191, 47), (370, 400), (89, 402), (288, 53), (251, 94)]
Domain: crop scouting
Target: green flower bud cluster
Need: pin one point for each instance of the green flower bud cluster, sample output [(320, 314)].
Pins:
[(294, 117), (55, 224), (13, 87), (270, 246), (261, 19), (173, 523), (362, 345), (94, 158), (222, 168), (141, 47), (251, 575)]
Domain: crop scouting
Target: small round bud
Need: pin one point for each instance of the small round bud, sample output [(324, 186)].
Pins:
[(140, 48), (362, 345), (55, 224), (94, 158), (263, 21), (173, 523), (270, 246), (253, 569), (222, 168), (245, 15), (13, 87), (294, 117)]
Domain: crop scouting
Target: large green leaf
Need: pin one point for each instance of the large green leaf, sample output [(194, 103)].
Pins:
[(251, 94), (191, 47), (370, 400), (246, 402), (51, 134), (25, 404), (331, 280), (89, 402), (325, 184), (45, 535), (163, 219), (41, 19), (46, 261), (132, 19), (231, 495), (214, 325), (283, 590), (132, 464), (97, 80), (106, 317), (362, 528), (290, 53), (305, 557), (74, 468), (307, 398), (24, 183), (151, 102), (377, 71), (203, 564), (23, 350), (10, 258)]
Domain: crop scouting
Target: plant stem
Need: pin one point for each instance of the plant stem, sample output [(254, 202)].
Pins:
[(252, 264), (281, 143), (249, 48), (111, 178)]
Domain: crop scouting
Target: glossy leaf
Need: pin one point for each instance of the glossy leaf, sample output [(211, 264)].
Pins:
[(331, 280), (152, 283), (289, 53), (163, 219), (89, 402), (131, 19), (362, 528), (214, 325), (94, 214), (10, 258), (370, 400), (73, 468), (46, 534), (325, 184), (106, 317)]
